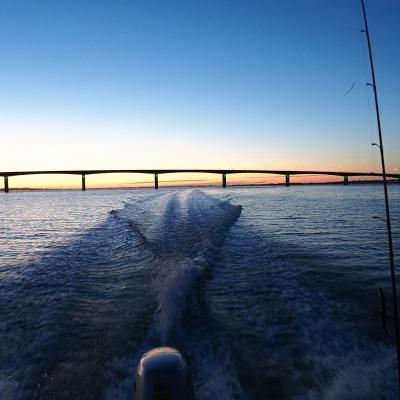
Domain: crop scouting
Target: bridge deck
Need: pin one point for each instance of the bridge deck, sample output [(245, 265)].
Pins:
[(207, 171), (223, 172)]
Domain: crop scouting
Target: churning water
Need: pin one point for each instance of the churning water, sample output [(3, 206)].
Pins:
[(271, 293)]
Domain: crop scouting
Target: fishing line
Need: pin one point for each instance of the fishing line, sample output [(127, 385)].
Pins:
[(351, 88)]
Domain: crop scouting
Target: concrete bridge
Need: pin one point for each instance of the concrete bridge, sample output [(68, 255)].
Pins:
[(222, 172)]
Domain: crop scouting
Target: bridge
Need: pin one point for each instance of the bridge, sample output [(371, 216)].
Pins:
[(222, 172)]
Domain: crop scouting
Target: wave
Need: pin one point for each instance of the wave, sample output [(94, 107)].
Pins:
[(255, 312), (185, 231), (185, 238)]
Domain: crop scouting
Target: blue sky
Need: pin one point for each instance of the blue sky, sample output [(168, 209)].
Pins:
[(129, 84)]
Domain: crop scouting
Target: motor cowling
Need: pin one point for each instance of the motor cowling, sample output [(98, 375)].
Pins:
[(162, 374)]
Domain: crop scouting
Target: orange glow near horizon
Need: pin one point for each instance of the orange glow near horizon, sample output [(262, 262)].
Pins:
[(127, 180)]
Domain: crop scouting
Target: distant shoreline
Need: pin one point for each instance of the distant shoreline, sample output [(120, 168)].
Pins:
[(358, 182)]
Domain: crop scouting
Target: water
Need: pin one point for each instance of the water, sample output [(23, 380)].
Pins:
[(269, 292)]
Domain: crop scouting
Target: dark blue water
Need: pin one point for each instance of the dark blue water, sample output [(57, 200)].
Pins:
[(271, 293)]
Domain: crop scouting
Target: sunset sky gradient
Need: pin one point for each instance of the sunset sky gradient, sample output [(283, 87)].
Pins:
[(194, 84)]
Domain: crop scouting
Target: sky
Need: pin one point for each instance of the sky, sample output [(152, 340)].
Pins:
[(195, 84)]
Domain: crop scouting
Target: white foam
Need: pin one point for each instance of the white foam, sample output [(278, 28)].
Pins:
[(174, 283)]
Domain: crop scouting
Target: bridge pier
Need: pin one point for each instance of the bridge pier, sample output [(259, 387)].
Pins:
[(6, 184), (224, 180), (346, 180), (287, 180), (83, 182), (155, 181)]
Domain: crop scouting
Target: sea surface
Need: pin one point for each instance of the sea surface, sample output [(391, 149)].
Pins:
[(270, 292)]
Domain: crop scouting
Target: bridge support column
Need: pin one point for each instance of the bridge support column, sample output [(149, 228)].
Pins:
[(224, 180), (6, 184), (287, 180), (83, 182), (155, 181), (346, 180)]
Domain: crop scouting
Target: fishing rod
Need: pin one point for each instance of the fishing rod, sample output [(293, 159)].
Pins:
[(388, 222)]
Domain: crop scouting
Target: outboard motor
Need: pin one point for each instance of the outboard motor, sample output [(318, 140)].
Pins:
[(162, 374)]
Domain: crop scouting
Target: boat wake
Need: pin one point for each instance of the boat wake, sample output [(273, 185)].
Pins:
[(185, 236)]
